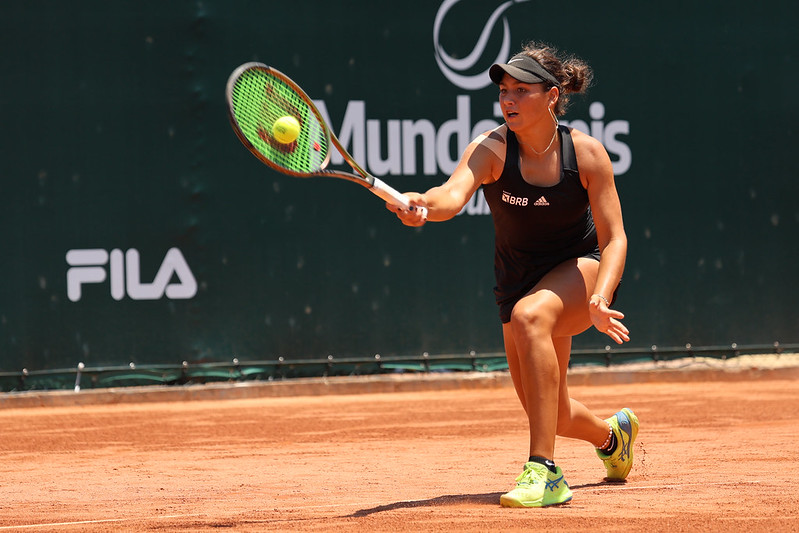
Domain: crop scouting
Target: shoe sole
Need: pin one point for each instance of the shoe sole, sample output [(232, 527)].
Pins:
[(509, 502)]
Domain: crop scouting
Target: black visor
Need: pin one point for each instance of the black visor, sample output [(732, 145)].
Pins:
[(523, 68)]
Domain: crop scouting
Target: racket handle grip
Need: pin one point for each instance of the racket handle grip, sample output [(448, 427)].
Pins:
[(393, 196)]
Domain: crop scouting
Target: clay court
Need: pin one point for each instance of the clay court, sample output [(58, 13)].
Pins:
[(716, 452)]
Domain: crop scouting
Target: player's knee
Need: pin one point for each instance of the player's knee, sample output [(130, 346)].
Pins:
[(532, 316)]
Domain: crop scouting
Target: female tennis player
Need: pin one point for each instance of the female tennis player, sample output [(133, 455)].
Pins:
[(559, 255)]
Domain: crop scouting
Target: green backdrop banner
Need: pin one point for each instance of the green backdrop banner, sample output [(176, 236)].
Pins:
[(136, 227)]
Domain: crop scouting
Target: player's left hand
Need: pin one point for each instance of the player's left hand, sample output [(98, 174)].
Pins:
[(607, 320)]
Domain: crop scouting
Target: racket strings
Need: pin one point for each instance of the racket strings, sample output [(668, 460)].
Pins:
[(259, 99)]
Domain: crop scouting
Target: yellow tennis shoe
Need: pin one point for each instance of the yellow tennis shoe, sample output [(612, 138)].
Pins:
[(537, 486), (625, 426)]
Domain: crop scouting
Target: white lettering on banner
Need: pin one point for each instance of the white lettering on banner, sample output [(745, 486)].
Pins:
[(368, 139), (606, 134), (88, 266), (397, 146), (364, 139)]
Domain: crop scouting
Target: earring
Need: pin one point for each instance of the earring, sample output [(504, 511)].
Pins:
[(554, 118)]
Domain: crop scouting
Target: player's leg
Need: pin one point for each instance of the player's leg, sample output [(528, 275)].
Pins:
[(575, 420), (538, 345), (513, 364), (557, 305), (614, 436), (540, 329)]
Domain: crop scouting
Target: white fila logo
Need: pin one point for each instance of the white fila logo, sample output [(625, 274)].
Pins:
[(88, 266), (541, 202), (514, 200)]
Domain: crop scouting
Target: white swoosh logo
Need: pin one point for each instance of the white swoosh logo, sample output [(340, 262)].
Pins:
[(450, 66)]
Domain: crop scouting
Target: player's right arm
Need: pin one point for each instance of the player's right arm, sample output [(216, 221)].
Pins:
[(482, 162)]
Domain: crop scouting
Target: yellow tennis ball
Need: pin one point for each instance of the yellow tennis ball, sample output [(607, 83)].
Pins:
[(286, 129)]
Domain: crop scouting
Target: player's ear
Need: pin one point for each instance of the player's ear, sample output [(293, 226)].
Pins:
[(554, 94)]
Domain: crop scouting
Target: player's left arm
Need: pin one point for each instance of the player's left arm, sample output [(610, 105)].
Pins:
[(596, 171)]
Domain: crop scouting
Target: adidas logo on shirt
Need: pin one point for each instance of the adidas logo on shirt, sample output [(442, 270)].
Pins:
[(541, 202)]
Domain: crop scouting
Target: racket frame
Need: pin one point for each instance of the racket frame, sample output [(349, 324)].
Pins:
[(361, 177)]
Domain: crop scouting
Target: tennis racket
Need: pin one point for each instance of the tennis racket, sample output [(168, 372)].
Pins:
[(258, 96)]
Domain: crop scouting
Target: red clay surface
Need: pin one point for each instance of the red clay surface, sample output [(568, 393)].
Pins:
[(710, 456)]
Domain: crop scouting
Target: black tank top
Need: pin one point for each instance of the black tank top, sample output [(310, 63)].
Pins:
[(537, 228)]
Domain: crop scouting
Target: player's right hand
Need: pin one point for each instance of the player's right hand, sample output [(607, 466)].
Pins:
[(414, 216)]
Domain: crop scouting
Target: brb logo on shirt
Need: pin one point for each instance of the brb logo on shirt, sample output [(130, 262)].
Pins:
[(508, 198)]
